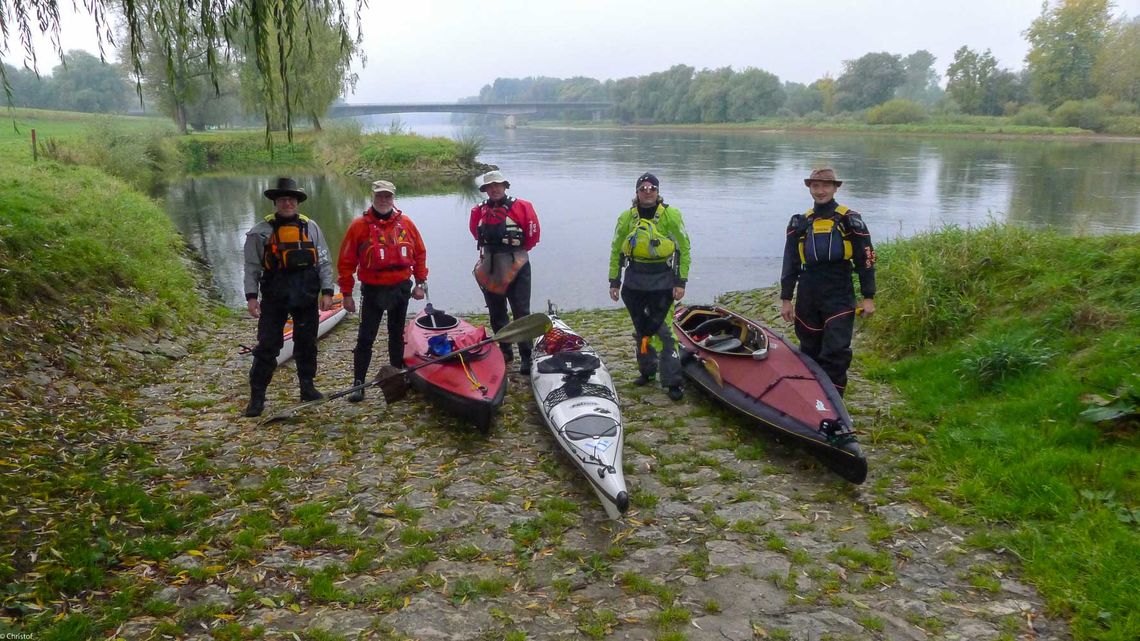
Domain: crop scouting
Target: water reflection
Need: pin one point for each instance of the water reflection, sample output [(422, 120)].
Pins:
[(736, 191)]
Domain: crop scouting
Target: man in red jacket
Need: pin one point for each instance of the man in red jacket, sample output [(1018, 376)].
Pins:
[(506, 229), (385, 250)]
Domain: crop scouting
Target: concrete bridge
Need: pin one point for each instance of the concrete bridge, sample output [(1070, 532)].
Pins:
[(509, 109)]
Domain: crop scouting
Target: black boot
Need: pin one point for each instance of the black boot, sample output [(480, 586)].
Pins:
[(309, 392), (256, 403), (358, 395)]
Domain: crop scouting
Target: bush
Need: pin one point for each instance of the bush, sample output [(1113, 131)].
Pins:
[(941, 280), (1086, 114), (1032, 116), (814, 117), (995, 361), (138, 157), (470, 143), (1124, 126), (896, 112)]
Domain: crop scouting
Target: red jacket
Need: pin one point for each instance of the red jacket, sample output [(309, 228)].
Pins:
[(521, 211), (360, 251)]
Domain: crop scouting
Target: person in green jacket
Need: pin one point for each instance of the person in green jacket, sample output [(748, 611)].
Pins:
[(652, 247)]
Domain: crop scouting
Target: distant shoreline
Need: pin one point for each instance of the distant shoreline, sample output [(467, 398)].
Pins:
[(766, 129)]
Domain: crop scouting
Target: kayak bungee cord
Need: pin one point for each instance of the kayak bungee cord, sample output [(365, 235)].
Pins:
[(471, 376)]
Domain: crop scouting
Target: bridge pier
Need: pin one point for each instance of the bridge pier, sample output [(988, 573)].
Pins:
[(511, 122)]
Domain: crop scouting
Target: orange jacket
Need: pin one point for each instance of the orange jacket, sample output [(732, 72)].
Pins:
[(360, 251)]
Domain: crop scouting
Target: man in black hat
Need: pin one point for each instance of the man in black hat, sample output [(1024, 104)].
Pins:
[(652, 245), (823, 247), (287, 259)]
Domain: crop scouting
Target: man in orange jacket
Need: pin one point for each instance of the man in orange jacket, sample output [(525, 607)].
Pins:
[(385, 250)]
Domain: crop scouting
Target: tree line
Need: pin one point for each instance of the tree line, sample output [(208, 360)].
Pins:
[(1083, 68)]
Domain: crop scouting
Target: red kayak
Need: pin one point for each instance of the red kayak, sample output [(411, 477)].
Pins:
[(470, 385), (757, 372)]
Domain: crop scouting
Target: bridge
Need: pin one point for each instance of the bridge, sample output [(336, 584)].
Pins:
[(509, 109)]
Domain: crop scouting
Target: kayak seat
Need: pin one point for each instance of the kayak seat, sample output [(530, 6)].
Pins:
[(569, 363), (719, 325), (437, 320), (722, 343)]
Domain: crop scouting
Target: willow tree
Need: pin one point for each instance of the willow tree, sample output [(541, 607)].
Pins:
[(270, 26), (318, 73)]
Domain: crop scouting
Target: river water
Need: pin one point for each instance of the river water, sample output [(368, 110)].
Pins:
[(736, 190)]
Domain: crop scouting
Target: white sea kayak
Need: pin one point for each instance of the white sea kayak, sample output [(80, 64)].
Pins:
[(576, 398)]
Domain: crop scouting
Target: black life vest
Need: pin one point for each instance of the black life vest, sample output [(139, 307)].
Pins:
[(497, 231), (289, 247), (825, 240)]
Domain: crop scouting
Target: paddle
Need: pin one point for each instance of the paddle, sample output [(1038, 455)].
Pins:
[(394, 383), (714, 370)]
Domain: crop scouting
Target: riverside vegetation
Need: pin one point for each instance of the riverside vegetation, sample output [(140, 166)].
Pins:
[(134, 503), (145, 151)]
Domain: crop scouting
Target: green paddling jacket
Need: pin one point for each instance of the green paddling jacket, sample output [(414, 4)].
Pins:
[(650, 273)]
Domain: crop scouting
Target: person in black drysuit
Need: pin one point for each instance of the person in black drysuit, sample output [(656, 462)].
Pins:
[(823, 246), (287, 260)]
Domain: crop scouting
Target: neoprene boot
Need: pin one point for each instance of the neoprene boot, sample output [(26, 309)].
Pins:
[(358, 395), (643, 379), (309, 392), (256, 403)]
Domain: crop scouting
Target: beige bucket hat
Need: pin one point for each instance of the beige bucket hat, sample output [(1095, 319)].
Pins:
[(492, 177)]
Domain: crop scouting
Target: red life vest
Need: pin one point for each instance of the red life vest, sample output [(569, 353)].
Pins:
[(390, 246), (497, 230)]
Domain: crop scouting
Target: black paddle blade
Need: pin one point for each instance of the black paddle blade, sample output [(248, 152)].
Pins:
[(393, 383)]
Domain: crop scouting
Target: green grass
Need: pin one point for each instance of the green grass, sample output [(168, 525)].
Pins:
[(243, 151), (995, 337), (76, 238)]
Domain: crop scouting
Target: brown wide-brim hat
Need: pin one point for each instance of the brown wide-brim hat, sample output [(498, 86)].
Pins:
[(286, 187), (825, 175)]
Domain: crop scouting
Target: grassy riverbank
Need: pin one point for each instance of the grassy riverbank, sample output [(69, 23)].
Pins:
[(998, 338), (965, 126), (146, 151)]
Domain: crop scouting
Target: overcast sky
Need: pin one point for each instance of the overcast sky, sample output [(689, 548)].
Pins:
[(443, 50)]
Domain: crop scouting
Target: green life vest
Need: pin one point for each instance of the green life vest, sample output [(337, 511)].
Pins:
[(647, 243)]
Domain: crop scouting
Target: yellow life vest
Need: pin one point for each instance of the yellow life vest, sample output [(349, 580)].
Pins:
[(646, 242), (825, 240)]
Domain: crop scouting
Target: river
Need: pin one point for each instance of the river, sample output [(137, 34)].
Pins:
[(736, 190)]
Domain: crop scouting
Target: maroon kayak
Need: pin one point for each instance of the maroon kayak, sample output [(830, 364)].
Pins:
[(470, 385), (765, 377)]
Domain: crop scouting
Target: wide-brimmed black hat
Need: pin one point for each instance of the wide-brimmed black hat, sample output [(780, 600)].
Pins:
[(286, 187)]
